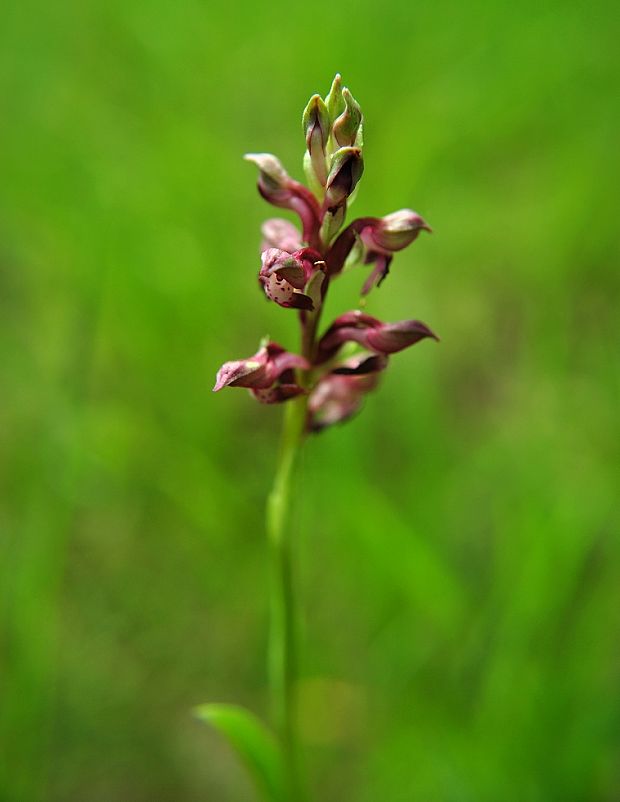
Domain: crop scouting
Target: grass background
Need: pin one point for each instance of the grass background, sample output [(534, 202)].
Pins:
[(459, 540)]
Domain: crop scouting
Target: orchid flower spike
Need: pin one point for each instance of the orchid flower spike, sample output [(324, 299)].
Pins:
[(337, 369)]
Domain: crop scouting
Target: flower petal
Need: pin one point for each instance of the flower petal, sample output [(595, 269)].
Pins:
[(262, 370), (284, 294), (361, 364), (252, 372), (335, 399), (393, 337), (278, 393), (378, 275), (281, 234), (372, 334)]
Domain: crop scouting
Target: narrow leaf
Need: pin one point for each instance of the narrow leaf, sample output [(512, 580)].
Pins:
[(254, 743)]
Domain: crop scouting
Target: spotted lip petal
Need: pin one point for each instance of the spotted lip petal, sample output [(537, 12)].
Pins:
[(284, 276), (284, 265), (278, 289)]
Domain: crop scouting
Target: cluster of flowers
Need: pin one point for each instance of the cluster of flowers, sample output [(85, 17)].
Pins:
[(336, 370)]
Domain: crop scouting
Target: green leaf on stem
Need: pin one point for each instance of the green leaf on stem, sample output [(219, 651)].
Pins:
[(255, 745)]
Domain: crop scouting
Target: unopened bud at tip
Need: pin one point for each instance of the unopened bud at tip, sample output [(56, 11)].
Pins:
[(346, 170), (334, 100), (347, 128), (317, 128), (316, 116)]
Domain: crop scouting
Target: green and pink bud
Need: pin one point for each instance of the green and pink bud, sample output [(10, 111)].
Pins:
[(317, 127), (345, 172), (347, 129), (334, 101)]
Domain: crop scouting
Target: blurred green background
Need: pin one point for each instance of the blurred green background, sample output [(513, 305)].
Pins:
[(459, 544)]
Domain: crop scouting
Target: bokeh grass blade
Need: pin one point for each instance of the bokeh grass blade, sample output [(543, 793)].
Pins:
[(254, 743)]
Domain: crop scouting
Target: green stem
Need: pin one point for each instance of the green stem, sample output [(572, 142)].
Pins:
[(309, 329), (282, 645)]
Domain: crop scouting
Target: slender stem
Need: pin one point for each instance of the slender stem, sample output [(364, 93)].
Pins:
[(309, 327), (282, 646), (283, 633), (308, 336)]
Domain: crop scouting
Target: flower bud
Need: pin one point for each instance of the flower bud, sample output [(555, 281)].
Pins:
[(348, 126), (334, 101), (317, 126), (394, 231), (346, 170)]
